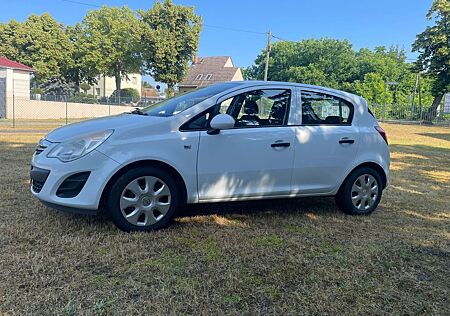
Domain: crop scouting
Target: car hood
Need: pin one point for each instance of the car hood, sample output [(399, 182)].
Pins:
[(117, 122)]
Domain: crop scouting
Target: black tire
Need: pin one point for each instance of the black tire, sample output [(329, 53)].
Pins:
[(115, 195), (344, 196)]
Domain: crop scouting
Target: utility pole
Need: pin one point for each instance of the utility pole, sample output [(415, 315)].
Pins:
[(414, 95), (266, 69)]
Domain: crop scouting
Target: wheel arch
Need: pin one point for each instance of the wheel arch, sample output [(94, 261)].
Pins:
[(147, 163), (372, 165)]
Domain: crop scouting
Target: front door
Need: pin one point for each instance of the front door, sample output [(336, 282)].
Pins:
[(253, 159)]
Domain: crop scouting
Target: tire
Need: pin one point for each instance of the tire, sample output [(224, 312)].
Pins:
[(143, 199), (358, 198)]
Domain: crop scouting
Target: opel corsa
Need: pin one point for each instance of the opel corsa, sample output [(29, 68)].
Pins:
[(229, 141)]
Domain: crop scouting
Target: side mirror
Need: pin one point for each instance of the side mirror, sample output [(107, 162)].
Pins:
[(221, 121)]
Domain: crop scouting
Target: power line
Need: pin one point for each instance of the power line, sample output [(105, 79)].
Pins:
[(205, 25), (83, 3), (233, 29), (281, 39)]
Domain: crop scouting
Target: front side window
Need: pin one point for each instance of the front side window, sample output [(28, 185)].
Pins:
[(266, 107), (323, 109), (185, 101)]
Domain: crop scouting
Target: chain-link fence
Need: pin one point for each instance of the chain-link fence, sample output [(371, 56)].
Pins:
[(411, 114), (46, 111)]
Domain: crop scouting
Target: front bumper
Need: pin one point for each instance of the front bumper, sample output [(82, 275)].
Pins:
[(47, 175)]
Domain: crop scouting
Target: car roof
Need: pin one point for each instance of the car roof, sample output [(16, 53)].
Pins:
[(250, 83)]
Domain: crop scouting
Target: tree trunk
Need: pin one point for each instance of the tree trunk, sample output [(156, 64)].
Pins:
[(118, 83), (432, 111), (170, 92), (77, 84)]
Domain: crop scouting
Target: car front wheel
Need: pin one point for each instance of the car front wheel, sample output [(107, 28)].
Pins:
[(143, 199), (361, 192)]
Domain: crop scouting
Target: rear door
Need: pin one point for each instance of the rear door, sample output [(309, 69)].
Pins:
[(326, 142)]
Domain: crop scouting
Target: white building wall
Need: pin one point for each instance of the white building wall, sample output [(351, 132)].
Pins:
[(107, 85), (17, 86)]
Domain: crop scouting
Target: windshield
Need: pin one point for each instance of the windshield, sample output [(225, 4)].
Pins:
[(182, 102)]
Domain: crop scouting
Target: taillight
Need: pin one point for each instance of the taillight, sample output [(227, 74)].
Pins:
[(382, 133)]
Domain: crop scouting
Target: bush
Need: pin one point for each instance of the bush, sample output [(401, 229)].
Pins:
[(36, 91), (82, 98), (127, 94), (85, 87)]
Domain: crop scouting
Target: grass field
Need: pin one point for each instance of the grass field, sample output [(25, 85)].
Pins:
[(284, 257)]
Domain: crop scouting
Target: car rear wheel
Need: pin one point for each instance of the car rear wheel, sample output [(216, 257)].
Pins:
[(143, 199), (361, 192)]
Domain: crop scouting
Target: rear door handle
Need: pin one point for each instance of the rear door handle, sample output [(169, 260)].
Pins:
[(280, 145), (346, 141)]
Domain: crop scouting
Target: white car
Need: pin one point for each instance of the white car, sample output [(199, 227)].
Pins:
[(229, 141)]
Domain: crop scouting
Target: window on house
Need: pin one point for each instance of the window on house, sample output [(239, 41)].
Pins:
[(199, 77), (134, 80), (208, 77), (97, 91)]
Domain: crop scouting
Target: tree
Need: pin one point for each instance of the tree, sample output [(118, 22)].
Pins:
[(113, 37), (85, 87), (146, 84), (171, 34), (40, 42), (57, 85), (324, 61), (85, 62), (334, 63), (433, 46), (129, 94)]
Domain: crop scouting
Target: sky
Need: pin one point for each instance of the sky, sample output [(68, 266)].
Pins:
[(238, 28)]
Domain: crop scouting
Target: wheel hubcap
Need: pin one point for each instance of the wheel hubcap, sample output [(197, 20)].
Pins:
[(145, 201), (364, 192)]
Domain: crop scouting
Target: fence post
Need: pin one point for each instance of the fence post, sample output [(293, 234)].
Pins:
[(65, 98), (14, 111)]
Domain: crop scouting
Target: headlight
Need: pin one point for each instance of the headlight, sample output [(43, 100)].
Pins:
[(75, 149)]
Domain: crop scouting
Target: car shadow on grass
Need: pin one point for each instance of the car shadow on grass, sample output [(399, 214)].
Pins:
[(316, 205), (442, 136), (263, 210)]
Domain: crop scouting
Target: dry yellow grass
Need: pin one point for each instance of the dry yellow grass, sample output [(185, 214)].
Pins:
[(299, 256)]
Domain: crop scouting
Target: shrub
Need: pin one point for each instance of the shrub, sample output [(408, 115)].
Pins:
[(36, 91), (85, 87), (127, 95), (82, 98)]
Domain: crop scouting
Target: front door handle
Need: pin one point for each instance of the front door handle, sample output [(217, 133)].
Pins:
[(346, 141), (280, 145)]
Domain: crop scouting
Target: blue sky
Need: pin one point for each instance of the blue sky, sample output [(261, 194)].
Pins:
[(365, 23)]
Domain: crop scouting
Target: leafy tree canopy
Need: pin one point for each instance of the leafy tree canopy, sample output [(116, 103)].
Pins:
[(433, 46), (334, 63), (171, 34), (112, 38), (40, 41)]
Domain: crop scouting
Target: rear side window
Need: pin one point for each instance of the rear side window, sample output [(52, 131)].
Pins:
[(324, 109)]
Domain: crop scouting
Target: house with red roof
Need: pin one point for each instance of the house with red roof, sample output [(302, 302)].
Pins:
[(205, 71), (14, 82)]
